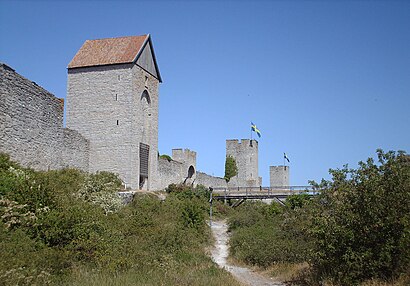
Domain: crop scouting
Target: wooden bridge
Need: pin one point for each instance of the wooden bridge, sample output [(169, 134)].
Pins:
[(241, 194), (279, 193)]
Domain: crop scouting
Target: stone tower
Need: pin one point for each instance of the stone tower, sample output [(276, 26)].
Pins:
[(112, 100), (246, 155), (279, 176)]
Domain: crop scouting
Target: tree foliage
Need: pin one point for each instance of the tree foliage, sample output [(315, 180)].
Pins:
[(361, 221), (357, 229), (231, 169)]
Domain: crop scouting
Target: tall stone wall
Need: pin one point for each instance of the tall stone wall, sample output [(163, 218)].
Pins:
[(181, 169), (209, 181), (75, 152), (169, 172), (116, 108), (188, 160), (279, 176), (31, 126)]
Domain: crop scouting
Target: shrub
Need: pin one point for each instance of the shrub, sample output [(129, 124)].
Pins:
[(246, 215), (361, 221), (101, 189), (297, 201), (166, 157), (261, 236), (51, 232)]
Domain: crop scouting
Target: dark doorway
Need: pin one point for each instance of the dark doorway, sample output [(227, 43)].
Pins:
[(191, 171), (144, 162)]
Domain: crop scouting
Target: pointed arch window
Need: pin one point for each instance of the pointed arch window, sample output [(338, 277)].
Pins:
[(145, 96)]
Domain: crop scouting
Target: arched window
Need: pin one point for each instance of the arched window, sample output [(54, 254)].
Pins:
[(145, 97), (191, 171)]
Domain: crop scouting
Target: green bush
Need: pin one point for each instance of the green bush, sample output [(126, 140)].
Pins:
[(53, 231), (101, 189), (297, 201), (361, 222), (265, 234), (246, 215), (166, 157)]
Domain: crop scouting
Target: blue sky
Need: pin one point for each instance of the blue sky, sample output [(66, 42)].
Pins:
[(327, 82)]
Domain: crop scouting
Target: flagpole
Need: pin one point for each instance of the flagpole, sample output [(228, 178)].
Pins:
[(284, 167)]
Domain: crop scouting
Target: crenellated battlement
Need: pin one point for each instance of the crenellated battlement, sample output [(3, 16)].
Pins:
[(245, 153)]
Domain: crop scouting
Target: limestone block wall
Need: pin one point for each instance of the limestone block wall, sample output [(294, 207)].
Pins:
[(245, 153), (188, 160), (169, 172), (238, 182), (30, 121), (145, 114), (209, 181), (116, 108), (75, 152), (31, 125), (279, 176), (97, 107)]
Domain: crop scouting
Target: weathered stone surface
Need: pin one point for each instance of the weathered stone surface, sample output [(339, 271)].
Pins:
[(31, 126), (279, 176), (116, 108), (112, 112), (210, 181), (181, 169), (245, 153)]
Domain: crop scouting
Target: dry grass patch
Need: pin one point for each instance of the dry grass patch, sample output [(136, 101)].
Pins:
[(286, 271)]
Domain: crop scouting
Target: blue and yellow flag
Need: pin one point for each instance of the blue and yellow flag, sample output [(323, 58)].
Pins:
[(254, 128)]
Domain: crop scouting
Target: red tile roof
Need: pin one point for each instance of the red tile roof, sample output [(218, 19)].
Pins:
[(108, 51)]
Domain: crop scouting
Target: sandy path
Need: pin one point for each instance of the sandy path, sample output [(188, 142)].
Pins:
[(220, 253)]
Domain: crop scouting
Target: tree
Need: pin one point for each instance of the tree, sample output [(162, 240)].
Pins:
[(231, 170), (361, 221)]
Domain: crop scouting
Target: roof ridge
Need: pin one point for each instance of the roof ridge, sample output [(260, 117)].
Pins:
[(122, 37)]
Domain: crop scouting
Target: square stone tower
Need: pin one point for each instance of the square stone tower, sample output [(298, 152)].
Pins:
[(112, 100), (246, 155), (279, 177)]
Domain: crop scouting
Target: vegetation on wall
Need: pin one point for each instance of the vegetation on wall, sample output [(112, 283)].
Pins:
[(231, 169), (166, 157)]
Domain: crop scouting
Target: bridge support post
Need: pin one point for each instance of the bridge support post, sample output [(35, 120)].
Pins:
[(210, 206)]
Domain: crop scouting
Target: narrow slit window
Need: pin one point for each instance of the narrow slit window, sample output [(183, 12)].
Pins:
[(119, 77), (116, 97), (146, 81), (118, 122)]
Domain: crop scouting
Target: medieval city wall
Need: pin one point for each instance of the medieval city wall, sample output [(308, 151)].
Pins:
[(169, 172), (75, 152), (31, 126), (32, 133), (209, 181), (180, 169)]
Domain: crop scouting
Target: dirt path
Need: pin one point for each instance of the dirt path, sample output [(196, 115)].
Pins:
[(220, 253)]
